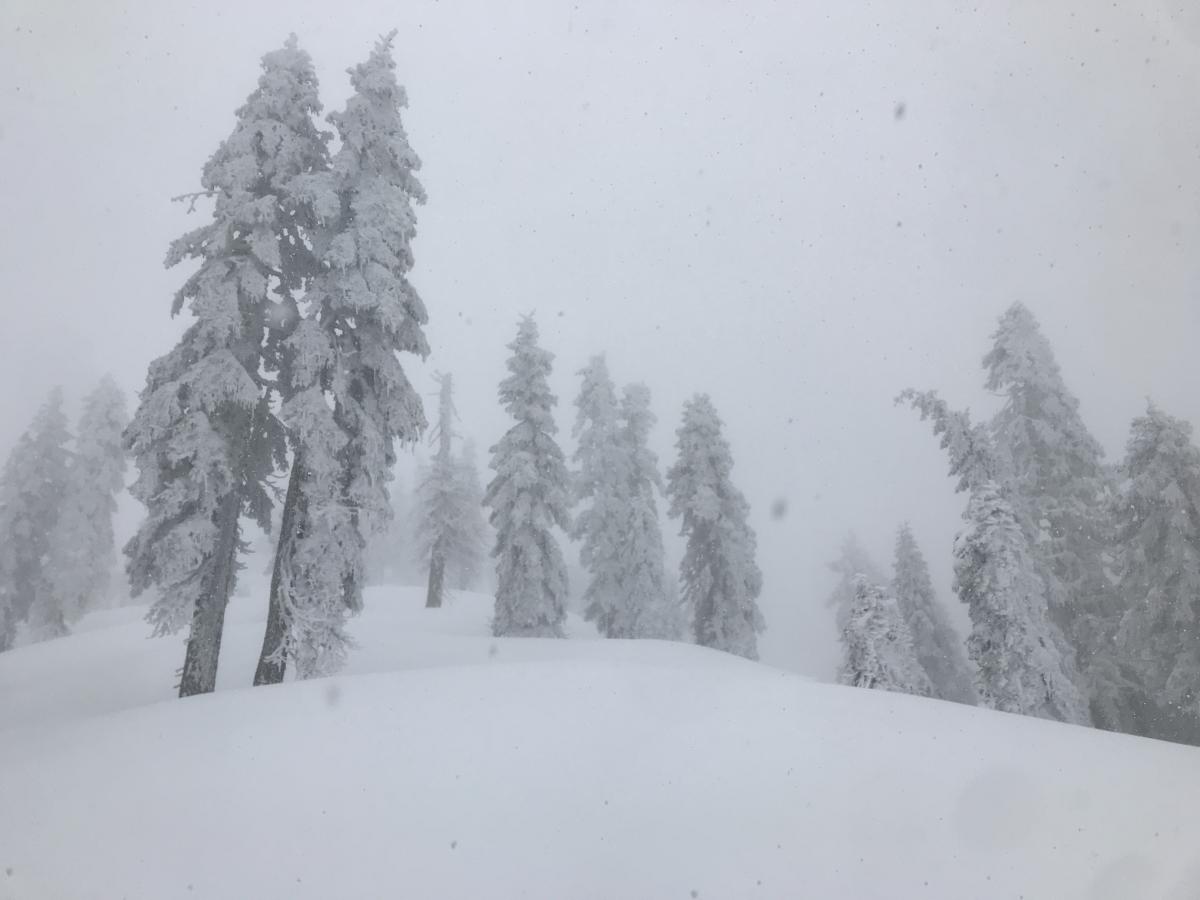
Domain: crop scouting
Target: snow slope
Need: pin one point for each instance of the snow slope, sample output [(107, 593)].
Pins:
[(445, 763)]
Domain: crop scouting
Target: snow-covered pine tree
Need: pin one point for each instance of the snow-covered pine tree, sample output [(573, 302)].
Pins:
[(465, 557), (720, 578), (878, 648), (351, 400), (1013, 641), (529, 497), (1158, 527), (1059, 489), (33, 487), (853, 560), (203, 438), (83, 551), (1024, 664), (654, 607), (602, 486), (938, 648), (449, 529)]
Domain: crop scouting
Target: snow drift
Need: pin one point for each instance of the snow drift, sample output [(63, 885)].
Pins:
[(446, 763)]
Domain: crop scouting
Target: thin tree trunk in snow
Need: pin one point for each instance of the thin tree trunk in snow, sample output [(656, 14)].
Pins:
[(208, 620), (437, 575), (272, 659)]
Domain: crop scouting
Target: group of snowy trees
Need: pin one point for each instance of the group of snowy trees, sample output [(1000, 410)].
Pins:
[(57, 502), (616, 487), (1081, 579), (300, 304)]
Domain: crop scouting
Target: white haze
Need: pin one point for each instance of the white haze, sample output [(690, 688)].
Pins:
[(799, 208)]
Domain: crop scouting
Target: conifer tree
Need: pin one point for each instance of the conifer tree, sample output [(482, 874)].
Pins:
[(1015, 646), (938, 648), (878, 648), (1059, 489), (450, 529), (652, 607), (204, 438), (853, 561), (1024, 663), (528, 497), (1158, 526), (83, 551), (602, 485), (33, 487), (465, 557), (350, 400), (720, 578)]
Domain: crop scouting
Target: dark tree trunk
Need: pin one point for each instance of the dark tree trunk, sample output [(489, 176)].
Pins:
[(437, 575), (272, 660), (208, 619)]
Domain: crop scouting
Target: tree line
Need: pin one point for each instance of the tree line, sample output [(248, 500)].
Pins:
[(285, 399), (1081, 578)]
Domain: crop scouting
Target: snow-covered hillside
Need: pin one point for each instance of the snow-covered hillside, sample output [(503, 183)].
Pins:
[(446, 763)]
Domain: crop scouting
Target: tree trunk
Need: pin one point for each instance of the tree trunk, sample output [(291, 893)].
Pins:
[(437, 576), (272, 660), (208, 619)]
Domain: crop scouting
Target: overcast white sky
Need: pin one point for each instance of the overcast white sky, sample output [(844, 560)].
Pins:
[(719, 195)]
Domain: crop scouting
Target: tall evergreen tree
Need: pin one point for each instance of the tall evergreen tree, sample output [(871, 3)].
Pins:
[(1024, 663), (83, 550), (1158, 526), (204, 438), (1013, 642), (938, 648), (33, 487), (602, 486), (465, 557), (351, 400), (652, 608), (878, 648), (853, 561), (1059, 489), (721, 580), (450, 531), (529, 497)]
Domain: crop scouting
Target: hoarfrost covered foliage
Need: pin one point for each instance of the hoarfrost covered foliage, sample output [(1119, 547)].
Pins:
[(602, 487), (1059, 490), (1158, 525), (351, 400), (1024, 663), (529, 497), (938, 649), (450, 527), (878, 648), (33, 488), (853, 560), (83, 550), (657, 612), (203, 438), (721, 580), (1018, 652)]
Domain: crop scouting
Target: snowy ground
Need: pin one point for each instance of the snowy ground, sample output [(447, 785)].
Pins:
[(445, 763)]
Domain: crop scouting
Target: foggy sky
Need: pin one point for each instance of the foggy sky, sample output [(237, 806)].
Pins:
[(723, 197)]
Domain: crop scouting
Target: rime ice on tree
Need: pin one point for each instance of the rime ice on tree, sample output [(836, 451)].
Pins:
[(1158, 526), (721, 580), (938, 648), (350, 398), (83, 551), (1024, 663), (878, 647), (450, 528), (204, 438), (529, 497), (33, 487)]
